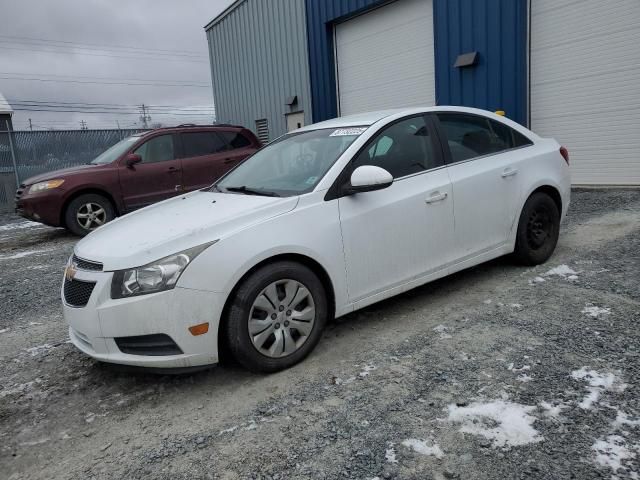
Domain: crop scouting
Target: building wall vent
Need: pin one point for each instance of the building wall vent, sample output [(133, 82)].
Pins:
[(262, 130)]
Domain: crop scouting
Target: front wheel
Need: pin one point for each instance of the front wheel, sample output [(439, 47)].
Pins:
[(277, 317), (88, 212), (538, 230)]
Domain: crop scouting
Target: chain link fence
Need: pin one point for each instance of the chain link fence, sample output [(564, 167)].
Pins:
[(24, 154)]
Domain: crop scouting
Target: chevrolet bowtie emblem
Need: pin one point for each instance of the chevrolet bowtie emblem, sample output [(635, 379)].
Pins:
[(70, 272)]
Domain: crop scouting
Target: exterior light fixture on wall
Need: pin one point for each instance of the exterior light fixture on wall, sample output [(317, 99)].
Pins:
[(466, 60)]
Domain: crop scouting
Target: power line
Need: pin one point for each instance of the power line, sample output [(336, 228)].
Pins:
[(108, 83), (164, 59), (98, 112), (114, 108), (14, 101), (103, 47), (92, 77)]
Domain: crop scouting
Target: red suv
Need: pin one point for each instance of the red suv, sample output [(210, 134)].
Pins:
[(136, 172)]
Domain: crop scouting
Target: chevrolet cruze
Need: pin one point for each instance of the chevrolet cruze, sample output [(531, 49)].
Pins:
[(323, 221)]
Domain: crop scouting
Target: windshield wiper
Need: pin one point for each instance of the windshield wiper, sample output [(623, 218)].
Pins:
[(251, 191)]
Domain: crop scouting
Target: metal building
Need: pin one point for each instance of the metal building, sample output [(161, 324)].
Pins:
[(564, 68)]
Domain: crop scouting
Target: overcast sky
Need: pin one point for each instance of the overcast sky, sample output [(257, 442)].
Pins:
[(84, 41)]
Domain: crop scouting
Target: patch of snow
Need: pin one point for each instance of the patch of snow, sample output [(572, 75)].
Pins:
[(4, 330), (366, 370), (487, 301), (390, 454), (506, 424), (524, 368), (346, 381), (33, 324), (523, 377), (34, 442), (572, 277), (623, 419), (228, 430), (612, 452), (442, 330), (20, 225), (25, 254), (536, 280), (552, 411), (37, 350), (595, 312), (515, 305), (598, 384), (421, 447), (561, 271)]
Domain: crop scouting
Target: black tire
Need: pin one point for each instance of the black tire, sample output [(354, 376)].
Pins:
[(79, 206), (236, 331), (538, 230)]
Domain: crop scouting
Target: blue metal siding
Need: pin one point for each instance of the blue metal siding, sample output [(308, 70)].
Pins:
[(497, 29)]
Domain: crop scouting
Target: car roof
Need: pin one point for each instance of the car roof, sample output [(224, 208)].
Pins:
[(369, 118)]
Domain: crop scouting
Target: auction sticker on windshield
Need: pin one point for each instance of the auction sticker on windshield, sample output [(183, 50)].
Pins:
[(344, 132)]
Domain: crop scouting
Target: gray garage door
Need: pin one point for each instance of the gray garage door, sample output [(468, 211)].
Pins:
[(585, 85), (385, 58)]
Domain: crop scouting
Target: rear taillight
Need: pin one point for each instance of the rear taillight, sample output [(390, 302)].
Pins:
[(565, 154)]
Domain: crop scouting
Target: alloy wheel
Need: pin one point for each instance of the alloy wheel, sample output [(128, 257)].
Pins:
[(91, 215), (281, 318)]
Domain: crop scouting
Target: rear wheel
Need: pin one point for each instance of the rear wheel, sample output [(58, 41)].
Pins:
[(88, 212), (277, 317), (538, 230)]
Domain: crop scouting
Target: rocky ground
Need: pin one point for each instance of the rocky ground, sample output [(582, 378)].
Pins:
[(496, 372)]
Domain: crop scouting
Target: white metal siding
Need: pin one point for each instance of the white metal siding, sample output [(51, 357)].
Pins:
[(385, 58), (585, 85)]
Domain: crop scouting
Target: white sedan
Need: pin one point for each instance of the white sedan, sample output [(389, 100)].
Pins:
[(323, 221)]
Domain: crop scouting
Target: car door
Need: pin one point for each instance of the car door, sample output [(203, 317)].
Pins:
[(204, 158), (401, 233), (157, 177), (485, 181)]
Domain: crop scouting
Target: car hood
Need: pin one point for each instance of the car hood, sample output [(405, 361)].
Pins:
[(62, 173), (175, 225)]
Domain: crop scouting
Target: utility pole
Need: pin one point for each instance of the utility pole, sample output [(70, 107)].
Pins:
[(83, 125), (30, 125), (144, 118)]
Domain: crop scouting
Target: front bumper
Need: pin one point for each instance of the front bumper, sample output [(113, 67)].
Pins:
[(94, 327), (42, 207)]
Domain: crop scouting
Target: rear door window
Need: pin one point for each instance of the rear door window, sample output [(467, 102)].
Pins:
[(470, 136), (199, 144), (157, 149), (235, 140)]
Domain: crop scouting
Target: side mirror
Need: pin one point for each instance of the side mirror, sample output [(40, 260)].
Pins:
[(131, 159), (368, 178)]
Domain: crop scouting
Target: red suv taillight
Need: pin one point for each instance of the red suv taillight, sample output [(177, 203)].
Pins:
[(565, 154)]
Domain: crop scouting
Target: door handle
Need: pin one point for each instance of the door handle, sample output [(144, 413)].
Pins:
[(509, 172), (436, 197), (173, 170)]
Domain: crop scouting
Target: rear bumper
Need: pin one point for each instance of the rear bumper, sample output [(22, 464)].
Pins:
[(94, 328)]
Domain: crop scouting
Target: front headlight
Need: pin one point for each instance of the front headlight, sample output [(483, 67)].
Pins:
[(48, 185), (156, 276)]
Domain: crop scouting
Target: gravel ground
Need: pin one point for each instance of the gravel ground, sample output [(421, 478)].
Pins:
[(496, 372)]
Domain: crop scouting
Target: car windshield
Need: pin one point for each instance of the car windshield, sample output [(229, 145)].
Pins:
[(112, 154), (292, 165)]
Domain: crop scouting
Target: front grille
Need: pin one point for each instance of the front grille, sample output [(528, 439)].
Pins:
[(83, 264), (77, 292), (151, 345)]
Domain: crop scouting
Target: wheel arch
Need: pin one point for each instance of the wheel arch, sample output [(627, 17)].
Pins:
[(553, 192), (305, 260), (85, 191)]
